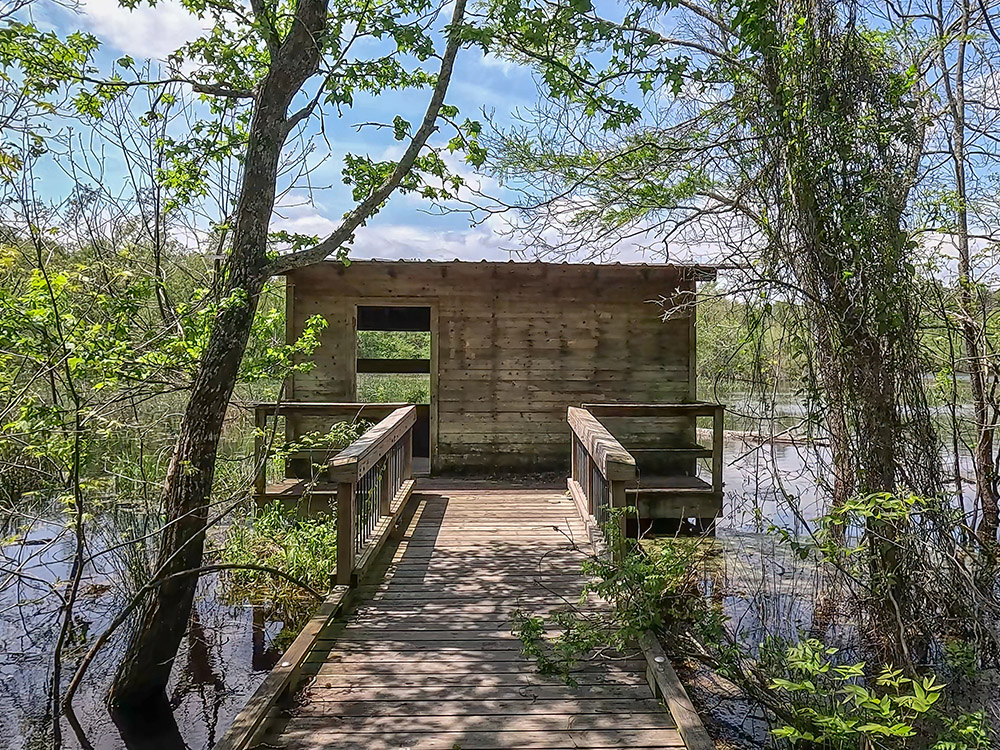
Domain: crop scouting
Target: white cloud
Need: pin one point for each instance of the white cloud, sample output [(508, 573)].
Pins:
[(400, 241), (411, 242), (381, 238), (302, 219), (940, 251), (146, 32), (503, 64)]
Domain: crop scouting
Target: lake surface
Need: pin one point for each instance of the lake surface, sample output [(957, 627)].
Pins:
[(225, 655)]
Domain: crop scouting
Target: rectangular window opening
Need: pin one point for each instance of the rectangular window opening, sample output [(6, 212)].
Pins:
[(394, 362)]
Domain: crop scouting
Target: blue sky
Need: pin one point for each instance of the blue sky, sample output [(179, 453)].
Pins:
[(404, 229)]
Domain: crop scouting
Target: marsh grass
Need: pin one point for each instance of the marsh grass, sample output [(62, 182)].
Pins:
[(276, 536)]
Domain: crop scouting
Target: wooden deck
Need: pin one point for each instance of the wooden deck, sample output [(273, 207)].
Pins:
[(426, 661)]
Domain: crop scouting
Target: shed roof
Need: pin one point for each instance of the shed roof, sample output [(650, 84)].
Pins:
[(700, 272)]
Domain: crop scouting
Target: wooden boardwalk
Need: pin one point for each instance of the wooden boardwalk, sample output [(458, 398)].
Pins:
[(427, 661)]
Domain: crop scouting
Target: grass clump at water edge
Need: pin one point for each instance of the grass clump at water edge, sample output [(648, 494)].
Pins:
[(277, 537)]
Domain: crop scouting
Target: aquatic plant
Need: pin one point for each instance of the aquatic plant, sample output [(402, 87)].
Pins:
[(275, 536)]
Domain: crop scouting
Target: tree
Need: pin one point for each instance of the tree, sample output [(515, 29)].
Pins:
[(258, 63), (787, 133), (958, 51)]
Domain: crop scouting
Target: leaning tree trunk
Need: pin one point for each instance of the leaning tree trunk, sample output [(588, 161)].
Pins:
[(142, 676)]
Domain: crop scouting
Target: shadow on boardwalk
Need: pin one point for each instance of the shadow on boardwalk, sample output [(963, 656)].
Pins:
[(427, 661)]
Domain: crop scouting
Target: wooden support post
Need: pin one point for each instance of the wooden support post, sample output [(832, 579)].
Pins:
[(408, 455), (260, 450), (707, 525), (385, 488), (574, 470), (718, 437), (345, 532), (616, 499)]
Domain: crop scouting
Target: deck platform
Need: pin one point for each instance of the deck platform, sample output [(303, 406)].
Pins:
[(426, 660)]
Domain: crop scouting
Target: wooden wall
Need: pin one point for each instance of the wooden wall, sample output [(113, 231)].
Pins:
[(513, 344)]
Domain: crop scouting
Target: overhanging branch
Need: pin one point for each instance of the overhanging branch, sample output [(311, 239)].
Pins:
[(364, 210)]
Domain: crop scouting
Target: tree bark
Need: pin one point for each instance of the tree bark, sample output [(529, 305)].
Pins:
[(983, 452)]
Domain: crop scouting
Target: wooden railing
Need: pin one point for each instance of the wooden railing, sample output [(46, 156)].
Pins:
[(374, 476), (601, 467), (688, 411), (602, 473), (371, 473), (347, 412)]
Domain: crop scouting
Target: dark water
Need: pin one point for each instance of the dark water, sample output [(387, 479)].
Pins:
[(226, 653), (766, 590)]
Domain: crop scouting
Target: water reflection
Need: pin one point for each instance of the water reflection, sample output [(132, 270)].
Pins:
[(227, 651), (766, 589)]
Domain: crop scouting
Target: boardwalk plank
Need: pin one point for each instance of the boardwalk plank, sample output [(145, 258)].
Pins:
[(427, 660), (536, 722), (521, 707), (311, 736)]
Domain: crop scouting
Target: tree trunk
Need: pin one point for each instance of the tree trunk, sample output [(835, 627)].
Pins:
[(142, 677), (982, 455)]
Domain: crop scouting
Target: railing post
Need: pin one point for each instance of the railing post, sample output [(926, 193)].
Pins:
[(346, 498), (717, 438), (616, 499), (408, 455), (573, 467), (385, 488), (260, 450), (593, 494)]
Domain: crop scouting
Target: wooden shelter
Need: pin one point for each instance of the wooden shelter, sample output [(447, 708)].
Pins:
[(511, 347)]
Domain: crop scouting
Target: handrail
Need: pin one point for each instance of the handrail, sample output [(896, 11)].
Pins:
[(601, 467), (334, 410), (375, 481), (612, 459), (699, 409), (370, 473), (324, 408), (356, 459)]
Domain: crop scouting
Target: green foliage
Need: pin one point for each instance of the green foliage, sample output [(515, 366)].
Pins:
[(656, 588), (91, 373), (387, 388), (559, 655), (832, 706), (35, 67), (813, 698), (587, 60), (338, 437), (913, 563), (753, 343), (407, 389), (326, 444), (275, 536), (394, 344)]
